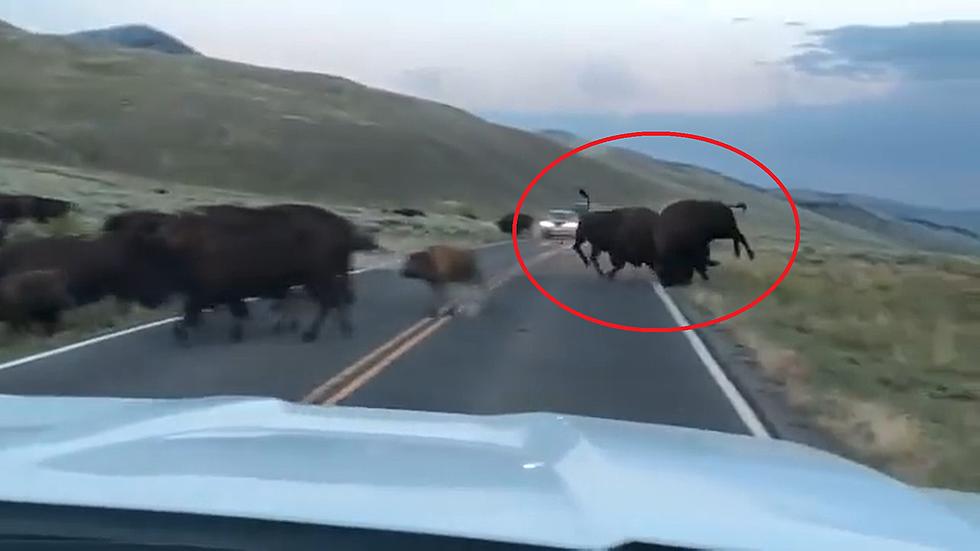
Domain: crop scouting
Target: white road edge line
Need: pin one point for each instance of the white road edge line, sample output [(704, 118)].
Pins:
[(739, 404), (152, 324)]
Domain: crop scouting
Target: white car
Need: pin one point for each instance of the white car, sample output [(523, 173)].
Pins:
[(559, 223)]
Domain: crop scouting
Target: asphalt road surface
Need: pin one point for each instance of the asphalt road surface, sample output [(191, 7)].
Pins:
[(519, 354)]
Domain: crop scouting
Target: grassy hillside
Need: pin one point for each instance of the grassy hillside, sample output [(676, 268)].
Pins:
[(207, 122)]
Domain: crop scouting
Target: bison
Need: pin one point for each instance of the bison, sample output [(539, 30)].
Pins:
[(441, 265), (40, 209), (135, 222), (626, 234), (524, 222), (34, 296), (409, 212), (685, 232), (94, 267), (224, 254)]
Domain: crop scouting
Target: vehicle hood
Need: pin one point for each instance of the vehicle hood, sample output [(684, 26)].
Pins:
[(536, 478)]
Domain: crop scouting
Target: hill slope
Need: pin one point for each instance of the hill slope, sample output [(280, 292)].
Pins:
[(136, 36), (207, 122)]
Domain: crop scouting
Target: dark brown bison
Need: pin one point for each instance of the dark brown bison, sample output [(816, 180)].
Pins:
[(409, 212), (441, 265), (40, 209), (524, 222), (685, 232), (94, 267), (34, 296), (135, 222), (224, 254), (625, 233)]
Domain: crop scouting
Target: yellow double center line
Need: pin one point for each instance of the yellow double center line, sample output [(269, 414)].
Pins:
[(356, 375)]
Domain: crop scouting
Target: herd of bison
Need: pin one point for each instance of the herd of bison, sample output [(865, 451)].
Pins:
[(223, 255), (211, 256), (673, 243)]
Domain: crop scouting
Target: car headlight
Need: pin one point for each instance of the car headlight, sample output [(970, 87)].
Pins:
[(570, 225), (547, 224)]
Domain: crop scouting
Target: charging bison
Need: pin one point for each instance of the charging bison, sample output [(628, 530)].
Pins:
[(684, 234), (626, 234)]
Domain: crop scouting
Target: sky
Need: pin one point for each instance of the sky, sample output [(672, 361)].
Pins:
[(879, 97)]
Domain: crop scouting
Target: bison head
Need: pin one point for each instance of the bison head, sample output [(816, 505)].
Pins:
[(419, 265)]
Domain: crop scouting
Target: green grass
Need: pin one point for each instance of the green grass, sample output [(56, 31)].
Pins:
[(881, 349)]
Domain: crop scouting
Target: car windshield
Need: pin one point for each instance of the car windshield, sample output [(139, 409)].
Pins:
[(379, 258), (562, 215)]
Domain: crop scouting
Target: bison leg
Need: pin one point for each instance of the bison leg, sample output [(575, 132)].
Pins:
[(191, 318), (594, 257), (345, 298), (701, 263), (618, 264), (577, 246), (439, 300), (740, 237), (239, 312), (326, 296)]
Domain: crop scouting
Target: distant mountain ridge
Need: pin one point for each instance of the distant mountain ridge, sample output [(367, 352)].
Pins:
[(137, 36), (947, 219), (851, 210)]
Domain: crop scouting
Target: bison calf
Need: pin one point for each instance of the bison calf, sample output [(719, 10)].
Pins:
[(441, 265), (34, 296)]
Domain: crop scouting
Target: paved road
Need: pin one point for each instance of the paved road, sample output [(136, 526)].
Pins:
[(520, 354)]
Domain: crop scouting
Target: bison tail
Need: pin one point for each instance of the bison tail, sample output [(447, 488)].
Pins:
[(588, 200), (742, 206)]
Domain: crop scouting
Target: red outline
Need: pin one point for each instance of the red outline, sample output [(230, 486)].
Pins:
[(733, 149)]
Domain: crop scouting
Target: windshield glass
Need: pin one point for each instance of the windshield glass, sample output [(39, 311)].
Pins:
[(562, 215), (327, 245)]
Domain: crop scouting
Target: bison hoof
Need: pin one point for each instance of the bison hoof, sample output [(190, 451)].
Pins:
[(237, 334), (180, 333), (309, 336)]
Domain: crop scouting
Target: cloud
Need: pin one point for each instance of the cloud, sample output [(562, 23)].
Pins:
[(608, 79), (741, 19), (915, 144), (948, 50), (794, 24)]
